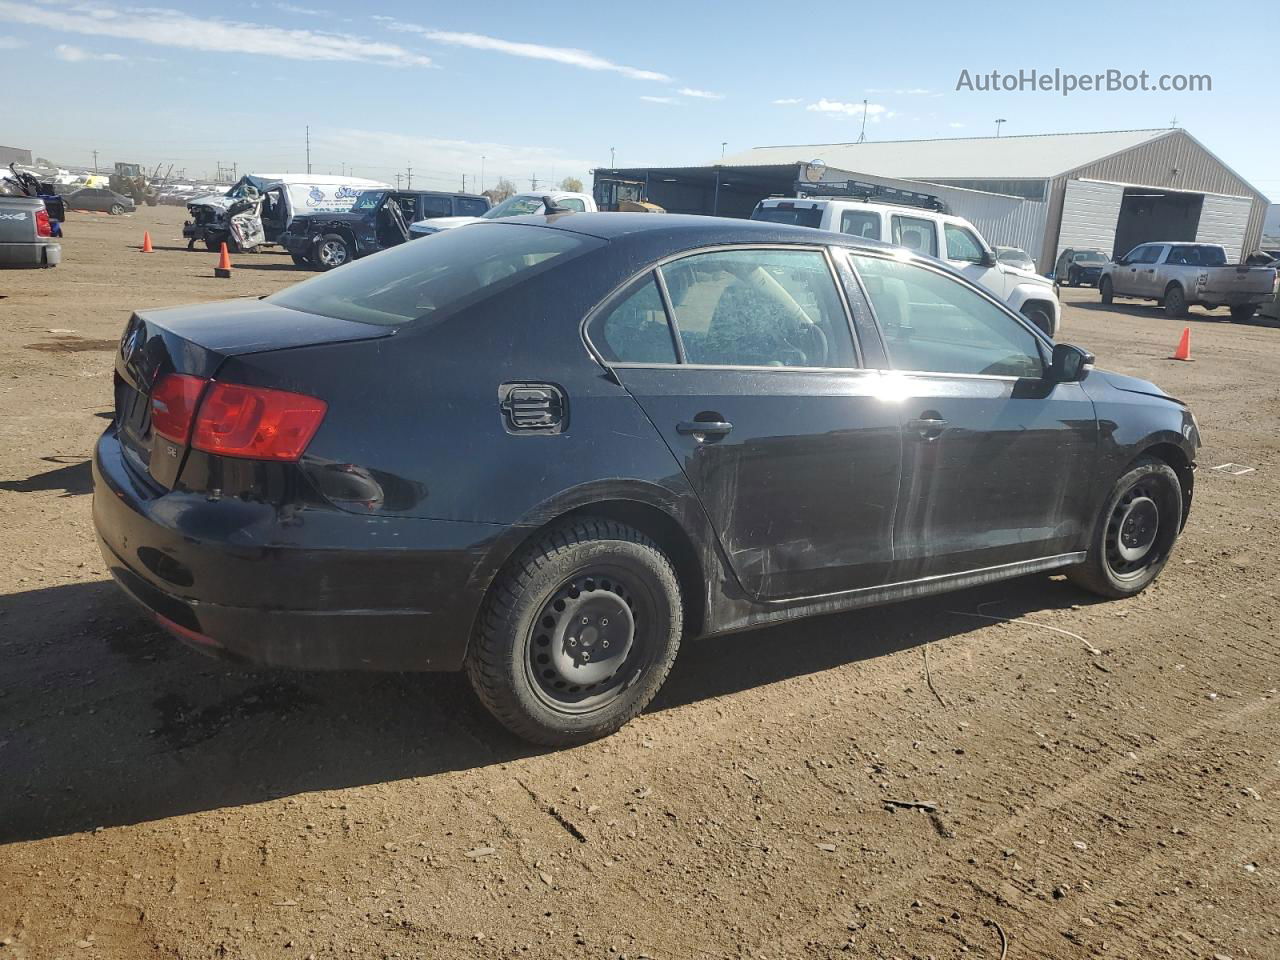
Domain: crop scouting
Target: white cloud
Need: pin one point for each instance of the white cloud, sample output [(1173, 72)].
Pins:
[(301, 11), (659, 99), (173, 28), (955, 126), (533, 51), (908, 92), (875, 111), (787, 101), (699, 94), (65, 51), (11, 43)]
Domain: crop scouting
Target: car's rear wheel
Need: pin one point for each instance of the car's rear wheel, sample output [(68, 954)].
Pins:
[(330, 251), (1105, 291), (577, 634), (1175, 301), (1243, 311), (1135, 532)]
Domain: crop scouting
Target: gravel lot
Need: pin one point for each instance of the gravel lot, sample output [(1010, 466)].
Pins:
[(1102, 778)]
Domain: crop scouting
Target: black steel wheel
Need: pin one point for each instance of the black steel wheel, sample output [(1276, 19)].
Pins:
[(1105, 291), (1135, 533), (577, 633), (1175, 301)]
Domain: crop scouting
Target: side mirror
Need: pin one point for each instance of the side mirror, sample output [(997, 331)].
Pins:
[(988, 258), (1070, 364), (1120, 261)]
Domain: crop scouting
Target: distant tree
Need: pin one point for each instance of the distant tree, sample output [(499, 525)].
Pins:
[(571, 185), (501, 191)]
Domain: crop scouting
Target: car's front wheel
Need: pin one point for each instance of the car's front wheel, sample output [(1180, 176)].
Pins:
[(330, 251), (1175, 301), (115, 210), (577, 633), (1135, 533), (1105, 291)]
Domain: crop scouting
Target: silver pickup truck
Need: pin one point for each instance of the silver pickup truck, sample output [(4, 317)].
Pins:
[(26, 234), (1181, 275)]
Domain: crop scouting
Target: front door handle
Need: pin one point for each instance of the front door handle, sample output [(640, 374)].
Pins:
[(710, 428), (929, 428)]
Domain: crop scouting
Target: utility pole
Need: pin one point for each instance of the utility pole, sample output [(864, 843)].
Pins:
[(612, 162), (95, 161), (533, 182), (998, 122), (464, 183), (862, 137), (723, 144), (482, 159), (308, 149), (398, 176), (235, 170), (409, 186)]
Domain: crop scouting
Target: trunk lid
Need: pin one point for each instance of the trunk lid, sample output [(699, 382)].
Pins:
[(195, 340)]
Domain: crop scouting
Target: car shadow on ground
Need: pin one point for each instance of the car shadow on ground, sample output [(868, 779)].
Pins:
[(105, 720), (1151, 311), (73, 479)]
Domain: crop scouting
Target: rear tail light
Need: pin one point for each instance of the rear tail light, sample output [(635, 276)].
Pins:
[(43, 227), (173, 406), (256, 423), (232, 420)]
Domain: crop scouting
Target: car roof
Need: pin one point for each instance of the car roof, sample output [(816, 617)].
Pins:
[(691, 229)]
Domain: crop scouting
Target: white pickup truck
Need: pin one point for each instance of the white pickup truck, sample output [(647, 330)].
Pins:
[(1180, 275), (953, 239)]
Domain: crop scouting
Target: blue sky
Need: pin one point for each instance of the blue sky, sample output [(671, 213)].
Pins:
[(547, 89)]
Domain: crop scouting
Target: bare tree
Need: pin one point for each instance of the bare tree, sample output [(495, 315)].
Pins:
[(499, 192), (571, 185)]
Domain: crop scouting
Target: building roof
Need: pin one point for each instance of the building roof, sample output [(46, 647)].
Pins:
[(1030, 157)]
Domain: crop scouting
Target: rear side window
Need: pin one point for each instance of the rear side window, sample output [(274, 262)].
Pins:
[(789, 213), (573, 203), (450, 270), (915, 234), (771, 308), (635, 329), (468, 207), (861, 223), (436, 207)]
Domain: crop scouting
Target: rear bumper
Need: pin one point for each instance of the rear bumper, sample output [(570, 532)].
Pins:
[(30, 254), (1213, 298), (305, 587)]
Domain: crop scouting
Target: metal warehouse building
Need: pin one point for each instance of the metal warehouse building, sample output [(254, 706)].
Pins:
[(1108, 191)]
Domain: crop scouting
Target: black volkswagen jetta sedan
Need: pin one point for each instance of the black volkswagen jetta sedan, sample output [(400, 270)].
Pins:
[(545, 450)]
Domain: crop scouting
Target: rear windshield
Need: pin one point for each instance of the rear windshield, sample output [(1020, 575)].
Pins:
[(807, 217), (448, 270)]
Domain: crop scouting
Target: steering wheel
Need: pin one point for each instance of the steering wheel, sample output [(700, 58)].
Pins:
[(812, 334)]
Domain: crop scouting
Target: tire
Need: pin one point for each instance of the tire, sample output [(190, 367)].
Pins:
[(1243, 311), (1105, 291), (525, 657), (213, 243), (1040, 316), (1175, 301), (330, 251), (115, 210), (1122, 560), (1073, 279)]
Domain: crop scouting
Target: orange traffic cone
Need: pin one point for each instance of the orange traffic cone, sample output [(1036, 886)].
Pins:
[(1184, 346), (223, 269), (146, 241)]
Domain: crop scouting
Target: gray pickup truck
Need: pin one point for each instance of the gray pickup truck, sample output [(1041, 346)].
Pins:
[(1182, 275), (26, 234)]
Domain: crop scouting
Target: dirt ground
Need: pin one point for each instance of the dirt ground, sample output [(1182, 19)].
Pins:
[(1103, 777)]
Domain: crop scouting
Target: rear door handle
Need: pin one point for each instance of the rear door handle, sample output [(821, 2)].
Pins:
[(930, 428), (713, 428)]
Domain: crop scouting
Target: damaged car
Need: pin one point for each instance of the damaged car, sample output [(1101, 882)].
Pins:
[(377, 220), (260, 207)]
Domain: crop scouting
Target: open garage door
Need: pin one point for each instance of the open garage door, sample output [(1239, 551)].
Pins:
[(1090, 211), (1224, 220)]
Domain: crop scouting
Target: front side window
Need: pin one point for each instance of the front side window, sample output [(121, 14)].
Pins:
[(772, 308), (915, 234), (962, 244), (934, 323), (369, 200), (573, 203), (861, 223), (469, 207), (635, 329), (515, 207)]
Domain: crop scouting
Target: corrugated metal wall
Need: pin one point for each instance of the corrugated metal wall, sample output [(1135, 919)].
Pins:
[(1153, 164), (1089, 214), (1224, 220)]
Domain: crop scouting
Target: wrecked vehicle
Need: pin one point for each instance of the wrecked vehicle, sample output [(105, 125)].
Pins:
[(260, 207), (377, 220)]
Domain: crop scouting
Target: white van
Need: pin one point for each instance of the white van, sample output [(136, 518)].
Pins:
[(952, 239), (260, 207)]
